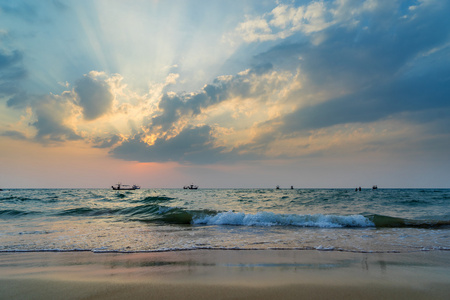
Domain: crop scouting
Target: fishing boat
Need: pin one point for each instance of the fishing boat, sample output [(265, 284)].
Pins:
[(125, 187), (190, 187)]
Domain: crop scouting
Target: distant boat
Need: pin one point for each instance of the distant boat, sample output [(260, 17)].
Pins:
[(278, 187), (190, 187), (374, 187), (125, 187)]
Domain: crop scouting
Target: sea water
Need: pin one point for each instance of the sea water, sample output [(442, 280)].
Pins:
[(147, 220)]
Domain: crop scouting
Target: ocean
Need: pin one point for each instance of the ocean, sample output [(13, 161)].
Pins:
[(155, 220)]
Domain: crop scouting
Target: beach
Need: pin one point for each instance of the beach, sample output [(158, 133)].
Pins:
[(224, 244), (225, 274)]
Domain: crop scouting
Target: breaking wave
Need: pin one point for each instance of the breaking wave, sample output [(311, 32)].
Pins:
[(153, 212), (272, 219)]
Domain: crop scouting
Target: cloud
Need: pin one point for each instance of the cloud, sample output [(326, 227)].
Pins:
[(191, 145), (372, 104), (360, 73), (174, 106), (8, 59), (176, 125), (398, 66), (380, 64), (52, 120), (284, 21), (14, 134), (107, 142), (308, 71), (50, 113), (11, 73), (94, 96)]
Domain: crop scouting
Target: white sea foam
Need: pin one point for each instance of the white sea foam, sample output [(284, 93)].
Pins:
[(322, 248), (272, 219)]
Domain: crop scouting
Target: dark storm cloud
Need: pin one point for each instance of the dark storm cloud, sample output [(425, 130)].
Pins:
[(192, 145), (175, 106), (94, 97)]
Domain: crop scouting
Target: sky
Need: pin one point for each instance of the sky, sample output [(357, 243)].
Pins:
[(224, 94)]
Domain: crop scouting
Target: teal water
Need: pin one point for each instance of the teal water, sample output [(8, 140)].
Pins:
[(382, 220)]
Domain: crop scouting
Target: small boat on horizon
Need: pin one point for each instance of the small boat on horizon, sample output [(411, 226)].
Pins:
[(125, 187), (190, 187)]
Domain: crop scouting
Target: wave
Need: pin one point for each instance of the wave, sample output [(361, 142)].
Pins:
[(155, 199), (153, 212), (165, 214), (23, 200), (386, 221), (87, 211), (272, 219), (15, 213), (175, 215), (17, 199), (9, 198)]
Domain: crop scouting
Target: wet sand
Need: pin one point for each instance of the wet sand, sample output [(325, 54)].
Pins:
[(225, 274)]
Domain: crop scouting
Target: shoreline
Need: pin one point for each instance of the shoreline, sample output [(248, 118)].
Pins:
[(225, 274), (196, 249)]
